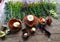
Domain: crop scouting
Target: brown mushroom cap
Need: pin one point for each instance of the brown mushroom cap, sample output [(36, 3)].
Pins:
[(42, 20), (11, 22), (49, 20), (31, 23)]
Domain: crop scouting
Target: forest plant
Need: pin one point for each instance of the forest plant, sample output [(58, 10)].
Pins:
[(13, 10), (17, 10)]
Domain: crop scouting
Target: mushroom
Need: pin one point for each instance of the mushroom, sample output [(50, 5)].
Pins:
[(49, 21), (14, 24), (25, 35), (32, 30), (42, 21)]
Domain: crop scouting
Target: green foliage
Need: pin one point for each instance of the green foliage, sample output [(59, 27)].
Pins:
[(16, 10), (13, 10), (53, 13)]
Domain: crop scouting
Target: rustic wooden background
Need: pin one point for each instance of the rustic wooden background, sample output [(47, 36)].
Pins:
[(39, 37)]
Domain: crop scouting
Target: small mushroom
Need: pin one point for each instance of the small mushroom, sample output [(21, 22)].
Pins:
[(49, 21), (42, 21), (33, 30), (25, 35)]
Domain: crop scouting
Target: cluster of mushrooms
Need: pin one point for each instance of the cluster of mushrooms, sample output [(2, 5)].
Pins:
[(29, 26)]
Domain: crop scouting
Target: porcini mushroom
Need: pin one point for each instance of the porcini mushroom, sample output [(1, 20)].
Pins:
[(14, 24), (42, 21), (32, 30), (49, 21)]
